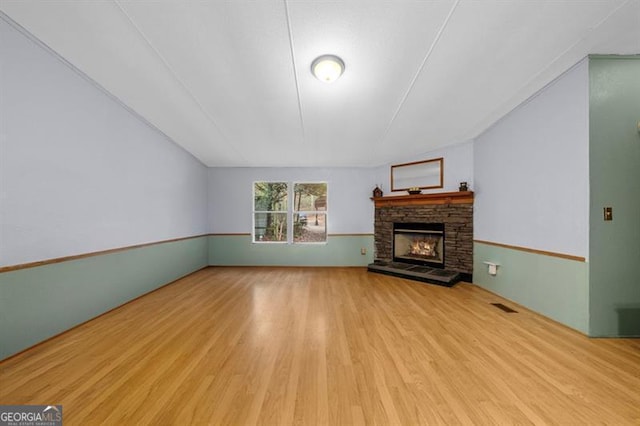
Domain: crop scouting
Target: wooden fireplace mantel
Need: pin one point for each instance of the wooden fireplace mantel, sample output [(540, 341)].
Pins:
[(460, 197)]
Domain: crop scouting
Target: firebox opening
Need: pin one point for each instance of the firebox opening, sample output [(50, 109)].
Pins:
[(419, 243)]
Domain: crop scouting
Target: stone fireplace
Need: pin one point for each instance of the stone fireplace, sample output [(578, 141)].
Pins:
[(419, 221)]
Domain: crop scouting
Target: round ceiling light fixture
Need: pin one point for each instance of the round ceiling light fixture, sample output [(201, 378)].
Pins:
[(327, 68)]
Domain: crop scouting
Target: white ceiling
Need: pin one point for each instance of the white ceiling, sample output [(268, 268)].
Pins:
[(230, 80)]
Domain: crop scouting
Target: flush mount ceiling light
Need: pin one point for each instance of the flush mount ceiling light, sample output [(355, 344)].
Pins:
[(327, 68)]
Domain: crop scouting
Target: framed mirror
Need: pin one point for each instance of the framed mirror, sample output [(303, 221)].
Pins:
[(427, 174)]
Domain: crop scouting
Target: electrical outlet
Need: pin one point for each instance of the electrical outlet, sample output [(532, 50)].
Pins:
[(363, 251)]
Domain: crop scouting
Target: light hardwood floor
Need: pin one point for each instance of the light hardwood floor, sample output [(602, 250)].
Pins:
[(325, 346)]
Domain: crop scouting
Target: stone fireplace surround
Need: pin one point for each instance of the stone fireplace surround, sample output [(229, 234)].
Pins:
[(453, 209)]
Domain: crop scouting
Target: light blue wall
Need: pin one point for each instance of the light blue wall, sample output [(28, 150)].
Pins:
[(615, 182), (79, 172), (458, 167), (532, 190), (532, 171)]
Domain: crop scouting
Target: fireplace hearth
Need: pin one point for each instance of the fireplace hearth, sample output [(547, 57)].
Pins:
[(416, 272)]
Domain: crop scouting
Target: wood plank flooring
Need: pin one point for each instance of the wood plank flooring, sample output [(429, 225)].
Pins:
[(334, 346)]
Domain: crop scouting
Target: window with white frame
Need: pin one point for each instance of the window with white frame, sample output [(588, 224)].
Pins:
[(294, 213), (270, 211), (309, 212)]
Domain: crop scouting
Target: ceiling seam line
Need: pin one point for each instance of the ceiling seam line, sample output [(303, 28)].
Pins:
[(420, 68), (295, 69), (177, 78), (554, 60)]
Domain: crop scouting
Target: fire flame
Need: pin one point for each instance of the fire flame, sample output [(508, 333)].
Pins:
[(425, 247)]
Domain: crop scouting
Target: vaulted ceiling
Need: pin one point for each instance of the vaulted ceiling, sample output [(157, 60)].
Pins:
[(230, 80)]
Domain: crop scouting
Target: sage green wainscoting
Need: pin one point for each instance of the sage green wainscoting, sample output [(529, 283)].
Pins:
[(340, 250), (39, 302), (552, 286)]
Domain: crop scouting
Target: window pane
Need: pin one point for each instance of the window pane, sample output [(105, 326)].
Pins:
[(310, 197), (270, 196), (270, 227), (309, 228)]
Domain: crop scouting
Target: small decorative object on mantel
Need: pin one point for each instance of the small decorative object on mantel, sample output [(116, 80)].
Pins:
[(463, 186), (377, 192), (414, 190)]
